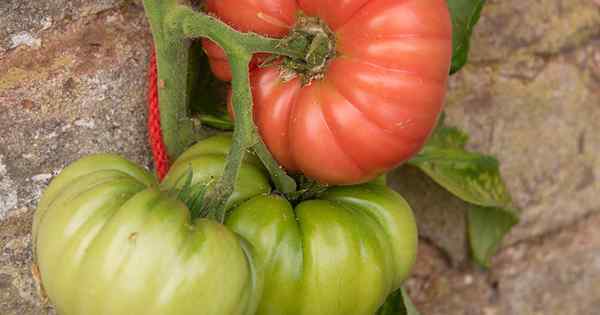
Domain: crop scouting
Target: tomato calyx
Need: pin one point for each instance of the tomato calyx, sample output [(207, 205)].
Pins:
[(192, 195), (314, 35), (307, 189)]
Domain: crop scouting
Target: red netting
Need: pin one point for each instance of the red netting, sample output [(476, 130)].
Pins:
[(159, 151)]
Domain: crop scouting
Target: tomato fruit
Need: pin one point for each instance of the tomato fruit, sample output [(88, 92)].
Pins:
[(109, 239), (378, 99)]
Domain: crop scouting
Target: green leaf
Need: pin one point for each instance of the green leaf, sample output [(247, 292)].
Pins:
[(444, 136), (465, 14), (398, 303), (449, 137), (487, 226), (475, 178), (470, 176)]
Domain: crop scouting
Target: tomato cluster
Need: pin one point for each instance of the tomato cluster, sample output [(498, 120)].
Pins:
[(109, 238), (127, 246)]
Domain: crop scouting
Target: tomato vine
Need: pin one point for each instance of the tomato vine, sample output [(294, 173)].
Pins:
[(173, 24)]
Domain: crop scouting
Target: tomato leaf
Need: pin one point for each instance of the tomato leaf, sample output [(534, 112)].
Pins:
[(487, 226), (475, 178), (398, 303), (465, 14), (472, 177), (447, 137)]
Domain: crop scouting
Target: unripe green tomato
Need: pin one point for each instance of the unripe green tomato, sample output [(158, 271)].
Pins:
[(109, 240)]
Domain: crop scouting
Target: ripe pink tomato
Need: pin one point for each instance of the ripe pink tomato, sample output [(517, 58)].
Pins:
[(379, 98)]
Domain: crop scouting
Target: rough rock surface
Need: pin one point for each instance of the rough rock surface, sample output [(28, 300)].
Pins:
[(72, 82), (23, 21), (533, 101), (81, 91)]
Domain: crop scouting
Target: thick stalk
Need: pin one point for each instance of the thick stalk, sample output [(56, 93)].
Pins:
[(283, 182), (239, 48), (216, 200), (172, 53), (197, 24)]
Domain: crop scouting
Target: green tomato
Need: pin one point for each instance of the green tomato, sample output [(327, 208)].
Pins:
[(110, 240)]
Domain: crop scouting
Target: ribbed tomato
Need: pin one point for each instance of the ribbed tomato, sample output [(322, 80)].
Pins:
[(109, 240), (379, 97)]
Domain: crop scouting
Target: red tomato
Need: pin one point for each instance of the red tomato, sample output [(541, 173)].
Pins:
[(380, 96)]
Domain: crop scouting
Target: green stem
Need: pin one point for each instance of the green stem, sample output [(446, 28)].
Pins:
[(172, 53), (216, 121), (217, 198), (198, 24), (284, 183), (239, 48)]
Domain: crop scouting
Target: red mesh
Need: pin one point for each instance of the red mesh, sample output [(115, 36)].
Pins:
[(159, 151)]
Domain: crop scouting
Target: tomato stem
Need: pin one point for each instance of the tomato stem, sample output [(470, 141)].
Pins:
[(222, 122), (173, 24), (307, 189), (243, 134), (172, 53), (319, 43)]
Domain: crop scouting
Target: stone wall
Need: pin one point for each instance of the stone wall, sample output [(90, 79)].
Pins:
[(72, 82)]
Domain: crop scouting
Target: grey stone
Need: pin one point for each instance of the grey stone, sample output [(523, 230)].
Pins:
[(542, 27), (539, 117), (554, 275), (23, 21), (18, 294), (84, 93), (8, 190)]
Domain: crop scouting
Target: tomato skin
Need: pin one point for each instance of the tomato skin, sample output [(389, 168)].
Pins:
[(109, 239), (354, 244), (380, 97)]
